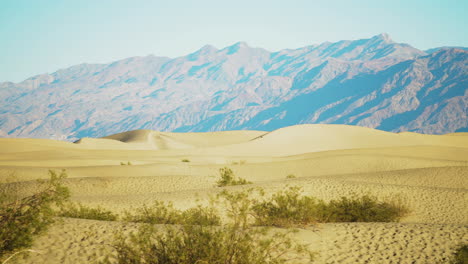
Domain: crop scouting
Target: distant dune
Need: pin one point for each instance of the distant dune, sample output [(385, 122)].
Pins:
[(430, 172)]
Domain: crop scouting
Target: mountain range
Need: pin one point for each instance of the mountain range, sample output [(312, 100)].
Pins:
[(372, 82)]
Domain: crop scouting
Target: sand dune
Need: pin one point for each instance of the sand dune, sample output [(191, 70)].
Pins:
[(205, 139), (329, 161), (313, 138), (154, 140), (15, 145), (148, 139)]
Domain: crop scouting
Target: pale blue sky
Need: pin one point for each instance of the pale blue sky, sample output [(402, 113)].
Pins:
[(39, 36)]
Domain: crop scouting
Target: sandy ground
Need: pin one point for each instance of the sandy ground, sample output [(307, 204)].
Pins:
[(430, 173)]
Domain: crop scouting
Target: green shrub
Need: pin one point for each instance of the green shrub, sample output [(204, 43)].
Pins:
[(185, 160), (21, 219), (200, 237), (290, 208), (227, 178), (461, 255), (85, 212), (159, 213), (364, 209), (207, 244), (205, 216), (238, 205), (165, 213), (236, 242)]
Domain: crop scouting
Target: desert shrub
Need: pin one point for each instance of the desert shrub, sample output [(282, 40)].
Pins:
[(227, 178), (185, 160), (165, 213), (236, 242), (21, 219), (364, 209), (461, 255), (159, 213), (290, 176), (290, 208), (207, 244), (238, 205), (239, 240), (123, 163), (205, 216), (85, 212)]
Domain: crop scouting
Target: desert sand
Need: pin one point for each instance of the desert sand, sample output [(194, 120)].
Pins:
[(429, 172)]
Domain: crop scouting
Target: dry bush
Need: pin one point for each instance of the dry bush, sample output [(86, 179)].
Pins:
[(73, 210), (227, 178), (190, 244), (365, 208), (235, 242), (165, 213), (461, 255), (193, 236), (290, 208), (21, 219)]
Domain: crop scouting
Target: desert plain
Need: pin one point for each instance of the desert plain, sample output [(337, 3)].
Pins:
[(428, 172)]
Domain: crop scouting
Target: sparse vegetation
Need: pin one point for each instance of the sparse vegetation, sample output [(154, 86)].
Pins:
[(236, 242), (123, 163), (227, 178), (290, 208), (185, 160), (364, 209), (461, 255), (85, 212), (22, 218), (290, 176), (204, 216), (197, 235), (165, 213), (188, 244), (158, 213)]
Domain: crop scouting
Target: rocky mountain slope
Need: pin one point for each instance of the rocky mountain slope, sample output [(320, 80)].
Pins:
[(371, 82)]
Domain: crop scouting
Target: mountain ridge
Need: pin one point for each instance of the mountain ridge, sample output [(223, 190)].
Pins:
[(373, 82)]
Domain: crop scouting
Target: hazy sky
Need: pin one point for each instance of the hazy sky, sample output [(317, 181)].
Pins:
[(39, 36)]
